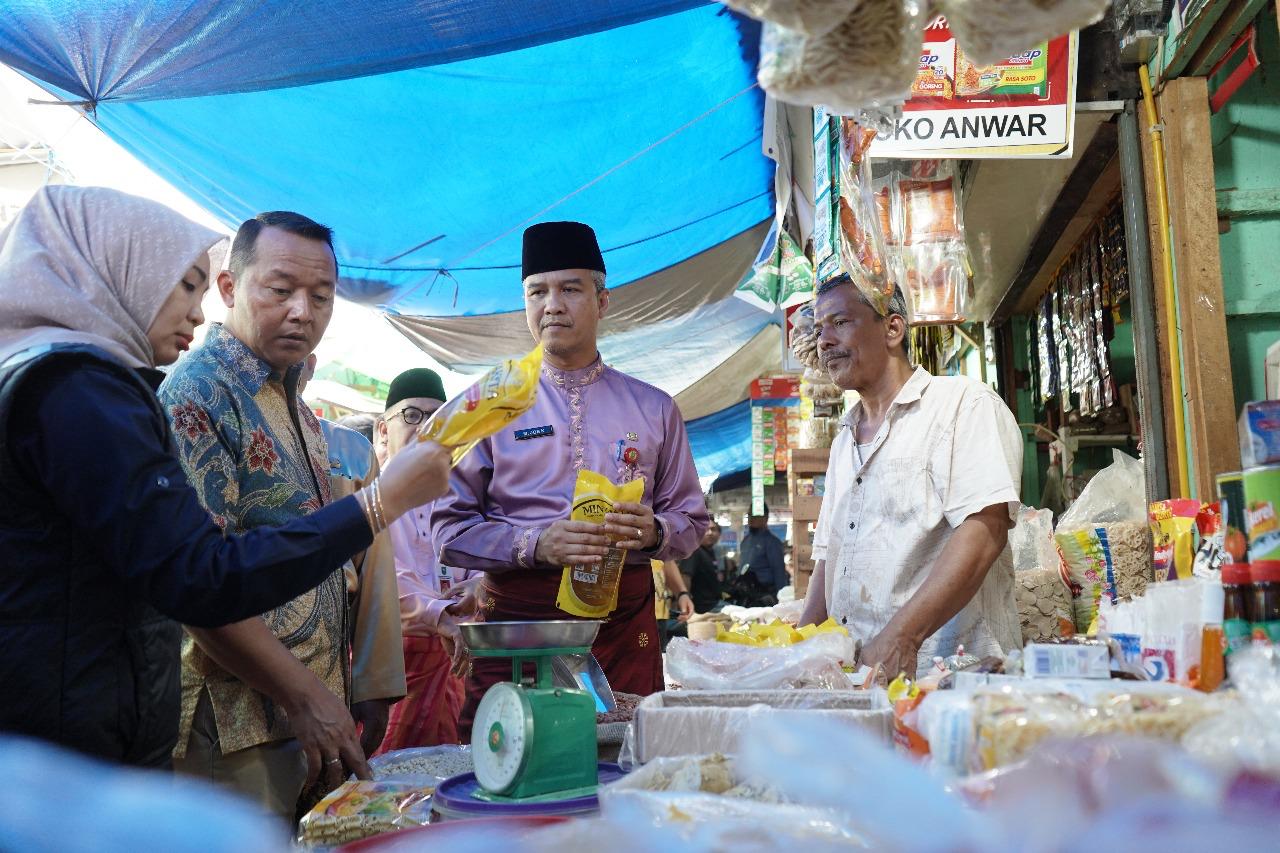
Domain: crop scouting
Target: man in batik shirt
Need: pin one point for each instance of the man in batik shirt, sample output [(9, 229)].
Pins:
[(264, 701)]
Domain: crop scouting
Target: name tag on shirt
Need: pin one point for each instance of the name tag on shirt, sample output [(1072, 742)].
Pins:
[(535, 432)]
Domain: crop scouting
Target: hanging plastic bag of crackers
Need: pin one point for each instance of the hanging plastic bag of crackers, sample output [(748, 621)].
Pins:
[(861, 241), (592, 591), (500, 396)]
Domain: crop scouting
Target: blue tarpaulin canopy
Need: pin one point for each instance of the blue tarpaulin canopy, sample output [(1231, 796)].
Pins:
[(428, 133)]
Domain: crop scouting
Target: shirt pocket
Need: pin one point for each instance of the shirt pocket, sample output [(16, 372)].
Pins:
[(908, 498)]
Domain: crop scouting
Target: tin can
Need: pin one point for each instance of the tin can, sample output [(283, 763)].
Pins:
[(1231, 504), (1262, 512)]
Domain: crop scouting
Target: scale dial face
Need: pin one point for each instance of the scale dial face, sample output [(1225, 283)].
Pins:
[(500, 737)]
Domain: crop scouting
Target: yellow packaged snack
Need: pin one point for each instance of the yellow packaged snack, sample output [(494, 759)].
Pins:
[(500, 396), (776, 633), (592, 591)]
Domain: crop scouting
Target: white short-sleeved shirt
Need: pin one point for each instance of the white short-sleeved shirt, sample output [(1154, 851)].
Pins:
[(949, 447)]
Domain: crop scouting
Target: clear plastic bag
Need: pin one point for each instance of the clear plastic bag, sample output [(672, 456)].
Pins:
[(992, 30), (1044, 599), (938, 283), (860, 238), (1247, 735), (869, 60), (689, 722), (810, 17), (422, 765), (1105, 540), (815, 663)]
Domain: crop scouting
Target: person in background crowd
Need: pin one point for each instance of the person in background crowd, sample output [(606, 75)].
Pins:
[(670, 589), (433, 596), (265, 700), (712, 543), (377, 663), (510, 514), (700, 567), (761, 554), (364, 424), (922, 490), (105, 542)]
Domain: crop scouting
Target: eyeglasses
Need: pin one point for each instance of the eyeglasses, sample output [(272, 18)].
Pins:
[(412, 415)]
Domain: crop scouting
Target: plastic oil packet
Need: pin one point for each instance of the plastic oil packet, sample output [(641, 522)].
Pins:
[(500, 396), (592, 591)]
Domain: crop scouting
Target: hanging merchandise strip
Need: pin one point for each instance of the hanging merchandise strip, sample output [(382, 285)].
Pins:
[(1077, 318)]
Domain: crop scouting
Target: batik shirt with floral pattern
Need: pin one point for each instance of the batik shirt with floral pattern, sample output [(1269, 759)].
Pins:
[(253, 464)]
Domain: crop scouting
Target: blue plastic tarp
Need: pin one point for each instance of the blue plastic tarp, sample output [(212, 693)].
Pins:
[(110, 50), (721, 443), (428, 133), (661, 157)]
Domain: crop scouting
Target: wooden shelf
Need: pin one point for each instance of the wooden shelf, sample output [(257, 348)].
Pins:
[(811, 461)]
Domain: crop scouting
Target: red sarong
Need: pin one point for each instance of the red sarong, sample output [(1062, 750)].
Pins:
[(627, 646), (428, 714)]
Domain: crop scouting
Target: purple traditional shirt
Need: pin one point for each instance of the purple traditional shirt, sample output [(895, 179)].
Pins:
[(513, 485)]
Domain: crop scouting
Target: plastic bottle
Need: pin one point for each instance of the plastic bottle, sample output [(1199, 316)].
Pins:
[(1236, 590), (1213, 642)]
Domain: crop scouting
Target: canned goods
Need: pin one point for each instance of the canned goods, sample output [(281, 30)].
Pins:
[(1231, 504), (1262, 512)]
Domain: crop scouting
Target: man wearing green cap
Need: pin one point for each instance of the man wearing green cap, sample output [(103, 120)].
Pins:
[(432, 596)]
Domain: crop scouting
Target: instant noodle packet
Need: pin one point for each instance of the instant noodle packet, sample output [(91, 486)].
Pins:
[(499, 397), (592, 591)]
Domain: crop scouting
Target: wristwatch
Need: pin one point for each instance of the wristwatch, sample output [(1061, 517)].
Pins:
[(683, 592)]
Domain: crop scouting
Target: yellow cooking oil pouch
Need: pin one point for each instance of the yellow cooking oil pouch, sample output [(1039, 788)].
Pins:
[(499, 397), (592, 591)]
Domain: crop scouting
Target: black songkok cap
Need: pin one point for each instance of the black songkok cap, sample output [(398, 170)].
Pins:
[(416, 382), (550, 246)]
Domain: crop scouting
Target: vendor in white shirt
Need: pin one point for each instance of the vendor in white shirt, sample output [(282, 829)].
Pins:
[(922, 488)]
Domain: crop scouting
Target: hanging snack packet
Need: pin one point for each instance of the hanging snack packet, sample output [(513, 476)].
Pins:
[(1173, 531), (500, 396), (861, 241), (592, 591)]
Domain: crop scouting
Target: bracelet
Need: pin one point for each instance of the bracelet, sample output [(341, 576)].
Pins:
[(683, 592), (366, 506), (379, 510)]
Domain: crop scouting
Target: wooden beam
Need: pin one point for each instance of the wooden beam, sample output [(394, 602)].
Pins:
[(1159, 303), (1192, 36), (1222, 35), (1243, 204), (1211, 402)]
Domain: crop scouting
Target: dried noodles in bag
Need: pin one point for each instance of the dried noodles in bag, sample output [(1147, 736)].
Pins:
[(869, 60), (810, 17), (992, 30)]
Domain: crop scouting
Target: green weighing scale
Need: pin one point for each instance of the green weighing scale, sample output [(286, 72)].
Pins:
[(533, 742)]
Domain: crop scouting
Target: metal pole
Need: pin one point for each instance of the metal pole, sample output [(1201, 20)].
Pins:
[(1146, 352)]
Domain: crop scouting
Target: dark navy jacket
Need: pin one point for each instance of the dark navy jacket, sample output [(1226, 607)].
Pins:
[(103, 545)]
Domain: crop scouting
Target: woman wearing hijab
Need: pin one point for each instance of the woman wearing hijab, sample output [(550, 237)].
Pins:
[(104, 543)]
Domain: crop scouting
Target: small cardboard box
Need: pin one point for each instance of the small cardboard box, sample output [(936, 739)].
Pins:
[(1052, 660), (1260, 433)]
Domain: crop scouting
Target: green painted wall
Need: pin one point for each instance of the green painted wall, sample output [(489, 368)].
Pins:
[(1246, 156)]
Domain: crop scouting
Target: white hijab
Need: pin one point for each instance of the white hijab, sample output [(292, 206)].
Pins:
[(90, 265)]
